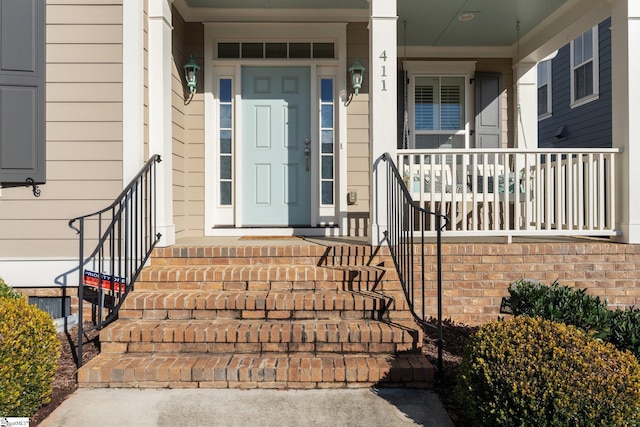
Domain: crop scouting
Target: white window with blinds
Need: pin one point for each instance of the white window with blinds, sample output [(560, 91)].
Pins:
[(439, 102)]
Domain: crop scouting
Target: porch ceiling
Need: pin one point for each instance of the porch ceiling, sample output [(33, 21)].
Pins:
[(428, 22)]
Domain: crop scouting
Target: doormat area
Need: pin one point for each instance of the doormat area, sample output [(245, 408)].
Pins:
[(270, 238)]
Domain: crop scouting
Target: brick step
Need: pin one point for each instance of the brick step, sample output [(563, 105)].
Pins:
[(250, 371), (274, 254), (257, 336), (287, 304), (259, 273)]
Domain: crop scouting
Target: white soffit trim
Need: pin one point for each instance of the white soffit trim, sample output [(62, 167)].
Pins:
[(272, 30), (203, 14)]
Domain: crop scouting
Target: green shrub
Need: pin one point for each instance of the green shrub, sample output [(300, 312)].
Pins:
[(29, 351), (624, 330), (7, 291), (560, 303), (574, 307), (529, 371)]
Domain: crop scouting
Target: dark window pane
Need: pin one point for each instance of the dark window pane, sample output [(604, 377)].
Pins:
[(228, 50), (326, 90), (252, 50), (323, 50), (225, 141), (542, 100), (225, 167), (327, 193), (583, 84), (276, 50), (225, 116), (327, 167), (326, 116), (225, 90), (299, 50), (327, 141), (225, 193)]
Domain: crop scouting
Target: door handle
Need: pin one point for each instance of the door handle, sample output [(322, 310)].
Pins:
[(307, 153)]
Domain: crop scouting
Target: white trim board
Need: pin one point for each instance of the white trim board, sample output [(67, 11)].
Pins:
[(39, 272)]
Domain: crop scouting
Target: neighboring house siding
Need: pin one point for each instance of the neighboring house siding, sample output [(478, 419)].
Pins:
[(588, 125), (83, 132), (358, 138), (188, 131)]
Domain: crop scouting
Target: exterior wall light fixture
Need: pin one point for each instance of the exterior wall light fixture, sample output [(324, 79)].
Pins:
[(191, 73), (357, 72)]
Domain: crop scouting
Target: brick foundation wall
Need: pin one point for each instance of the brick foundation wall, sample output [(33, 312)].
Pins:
[(476, 276)]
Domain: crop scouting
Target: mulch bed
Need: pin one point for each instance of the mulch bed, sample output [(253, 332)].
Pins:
[(455, 338), (64, 382)]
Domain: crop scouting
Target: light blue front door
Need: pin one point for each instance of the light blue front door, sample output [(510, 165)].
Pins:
[(276, 159)]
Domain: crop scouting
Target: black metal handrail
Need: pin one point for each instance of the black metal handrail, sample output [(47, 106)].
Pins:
[(124, 234), (406, 222)]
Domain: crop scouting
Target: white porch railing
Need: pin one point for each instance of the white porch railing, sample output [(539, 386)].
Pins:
[(511, 192)]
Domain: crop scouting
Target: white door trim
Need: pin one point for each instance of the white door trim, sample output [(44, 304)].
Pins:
[(214, 68)]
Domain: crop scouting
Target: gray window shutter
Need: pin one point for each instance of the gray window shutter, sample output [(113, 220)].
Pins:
[(22, 91), (488, 114)]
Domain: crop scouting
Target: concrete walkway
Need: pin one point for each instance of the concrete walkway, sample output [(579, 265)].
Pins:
[(264, 408)]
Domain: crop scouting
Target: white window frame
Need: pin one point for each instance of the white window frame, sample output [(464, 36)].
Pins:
[(548, 83), (596, 67), (465, 69)]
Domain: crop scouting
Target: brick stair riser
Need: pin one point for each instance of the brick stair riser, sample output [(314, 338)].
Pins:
[(251, 314), (267, 371), (259, 285), (255, 348), (238, 331), (270, 274), (240, 300), (303, 255)]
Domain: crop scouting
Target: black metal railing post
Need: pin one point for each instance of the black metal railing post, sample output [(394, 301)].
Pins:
[(407, 222), (126, 235)]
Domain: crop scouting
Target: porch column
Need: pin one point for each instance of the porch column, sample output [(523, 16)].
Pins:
[(526, 105), (382, 74), (160, 113), (625, 69)]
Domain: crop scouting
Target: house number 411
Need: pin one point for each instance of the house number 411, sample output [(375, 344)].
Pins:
[(383, 56)]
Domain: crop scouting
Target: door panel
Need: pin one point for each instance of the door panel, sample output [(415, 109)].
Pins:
[(276, 121)]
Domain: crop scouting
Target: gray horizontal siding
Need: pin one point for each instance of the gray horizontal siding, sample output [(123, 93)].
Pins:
[(586, 126)]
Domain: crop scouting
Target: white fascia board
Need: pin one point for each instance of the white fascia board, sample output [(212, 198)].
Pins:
[(203, 14), (569, 21)]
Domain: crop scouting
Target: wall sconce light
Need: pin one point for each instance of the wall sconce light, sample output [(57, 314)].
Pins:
[(191, 73), (357, 72)]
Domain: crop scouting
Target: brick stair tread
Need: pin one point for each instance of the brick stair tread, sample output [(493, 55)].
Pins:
[(299, 252), (230, 273), (256, 331), (249, 371), (288, 299)]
